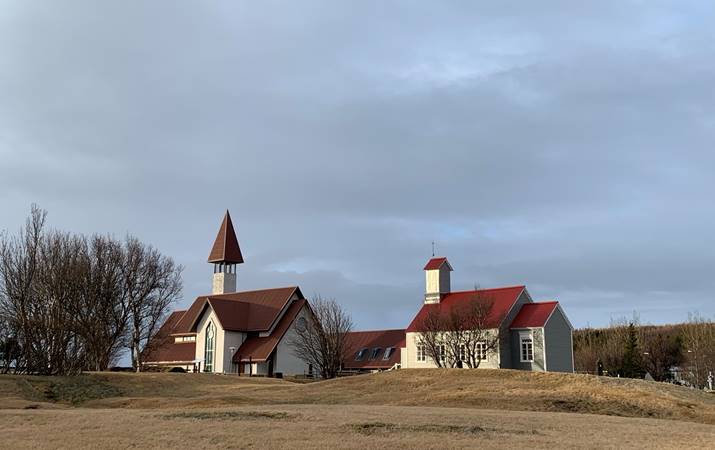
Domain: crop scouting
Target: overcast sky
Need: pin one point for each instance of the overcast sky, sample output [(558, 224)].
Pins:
[(563, 145)]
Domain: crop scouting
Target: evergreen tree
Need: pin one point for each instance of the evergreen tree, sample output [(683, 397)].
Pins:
[(632, 367)]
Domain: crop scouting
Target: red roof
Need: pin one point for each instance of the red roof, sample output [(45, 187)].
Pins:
[(240, 311), (534, 315), (260, 348), (436, 263), (164, 349), (371, 340), (502, 301), (225, 248)]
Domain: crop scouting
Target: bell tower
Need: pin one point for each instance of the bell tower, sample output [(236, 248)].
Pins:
[(437, 281), (225, 255)]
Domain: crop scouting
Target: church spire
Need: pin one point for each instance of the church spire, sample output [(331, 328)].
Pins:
[(225, 254), (225, 249)]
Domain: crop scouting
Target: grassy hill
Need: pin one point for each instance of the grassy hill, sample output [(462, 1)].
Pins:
[(403, 409), (483, 389)]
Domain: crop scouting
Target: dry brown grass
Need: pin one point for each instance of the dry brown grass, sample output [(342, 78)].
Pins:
[(400, 409), (337, 426)]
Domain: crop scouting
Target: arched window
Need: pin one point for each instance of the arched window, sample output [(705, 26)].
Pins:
[(209, 347)]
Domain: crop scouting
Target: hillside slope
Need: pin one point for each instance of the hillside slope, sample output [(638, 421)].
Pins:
[(480, 389)]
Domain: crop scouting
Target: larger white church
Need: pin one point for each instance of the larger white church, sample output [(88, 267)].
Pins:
[(233, 332)]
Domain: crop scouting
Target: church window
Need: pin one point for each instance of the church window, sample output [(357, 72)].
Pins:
[(209, 346), (388, 353), (421, 355), (481, 351), (527, 350), (301, 324)]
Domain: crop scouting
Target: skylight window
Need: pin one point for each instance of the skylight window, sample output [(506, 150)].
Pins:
[(361, 354), (388, 353), (375, 352)]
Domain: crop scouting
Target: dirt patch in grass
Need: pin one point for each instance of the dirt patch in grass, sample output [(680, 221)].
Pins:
[(229, 415), (370, 428)]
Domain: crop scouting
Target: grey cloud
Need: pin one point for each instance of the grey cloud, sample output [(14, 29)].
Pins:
[(561, 145)]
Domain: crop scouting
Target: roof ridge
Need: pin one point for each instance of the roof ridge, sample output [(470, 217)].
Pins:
[(523, 286), (247, 292), (373, 331)]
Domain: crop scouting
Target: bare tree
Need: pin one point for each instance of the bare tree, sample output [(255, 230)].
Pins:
[(9, 347), (460, 334), (18, 266), (699, 345), (476, 333), (662, 350), (100, 312), (151, 283), (68, 303), (322, 342), (431, 335)]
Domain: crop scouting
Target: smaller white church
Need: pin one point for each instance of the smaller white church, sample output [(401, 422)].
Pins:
[(535, 336), (233, 332)]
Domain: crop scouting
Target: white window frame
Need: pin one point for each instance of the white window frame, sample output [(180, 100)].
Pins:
[(442, 353), (526, 343), (421, 354), (462, 352), (482, 353)]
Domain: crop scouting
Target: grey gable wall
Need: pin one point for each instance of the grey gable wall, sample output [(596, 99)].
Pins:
[(505, 339), (559, 343)]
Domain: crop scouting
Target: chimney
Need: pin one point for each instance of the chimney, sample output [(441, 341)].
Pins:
[(225, 255), (436, 279)]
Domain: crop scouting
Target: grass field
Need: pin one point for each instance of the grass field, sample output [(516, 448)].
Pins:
[(403, 409)]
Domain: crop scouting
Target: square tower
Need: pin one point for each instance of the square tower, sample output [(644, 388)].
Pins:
[(437, 280)]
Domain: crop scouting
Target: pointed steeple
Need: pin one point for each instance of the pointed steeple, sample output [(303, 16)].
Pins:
[(225, 249)]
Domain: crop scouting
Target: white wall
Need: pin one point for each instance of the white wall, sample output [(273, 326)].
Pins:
[(259, 368), (231, 339), (409, 356), (224, 340), (286, 361)]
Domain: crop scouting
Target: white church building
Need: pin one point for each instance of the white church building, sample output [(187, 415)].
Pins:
[(245, 332)]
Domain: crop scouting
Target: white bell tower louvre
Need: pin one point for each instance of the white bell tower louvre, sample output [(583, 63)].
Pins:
[(437, 279), (225, 256)]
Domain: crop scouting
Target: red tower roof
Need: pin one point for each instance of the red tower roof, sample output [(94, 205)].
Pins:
[(436, 263), (225, 248)]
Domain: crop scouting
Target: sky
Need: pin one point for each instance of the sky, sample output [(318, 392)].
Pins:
[(563, 145)]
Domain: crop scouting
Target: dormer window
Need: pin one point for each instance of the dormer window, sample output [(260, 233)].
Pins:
[(360, 354), (375, 352)]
